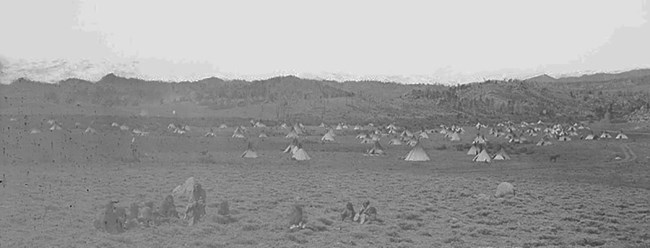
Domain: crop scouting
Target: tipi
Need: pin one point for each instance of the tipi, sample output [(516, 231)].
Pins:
[(454, 137), (473, 150), (293, 146), (329, 136), (292, 134), (238, 133), (501, 155), (250, 152), (482, 156), (395, 142), (300, 154), (417, 154), (376, 150)]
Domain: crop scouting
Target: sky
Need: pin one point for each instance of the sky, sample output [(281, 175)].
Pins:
[(404, 41)]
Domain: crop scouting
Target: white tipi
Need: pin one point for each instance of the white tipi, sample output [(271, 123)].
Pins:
[(417, 154), (482, 156), (250, 152), (300, 154)]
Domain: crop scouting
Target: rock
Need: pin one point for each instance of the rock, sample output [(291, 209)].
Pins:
[(504, 189), (184, 188)]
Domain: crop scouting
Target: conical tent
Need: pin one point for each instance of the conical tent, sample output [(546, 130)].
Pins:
[(238, 134), (300, 154), (250, 152), (395, 142), (502, 155), (90, 130), (454, 137), (292, 147), (479, 140), (329, 136), (417, 154), (55, 127), (292, 135), (473, 150), (376, 149), (621, 136), (543, 142), (482, 156), (297, 129)]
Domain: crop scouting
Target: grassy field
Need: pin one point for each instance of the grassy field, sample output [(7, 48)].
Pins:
[(56, 184)]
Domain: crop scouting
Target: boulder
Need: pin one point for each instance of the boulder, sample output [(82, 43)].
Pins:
[(505, 189)]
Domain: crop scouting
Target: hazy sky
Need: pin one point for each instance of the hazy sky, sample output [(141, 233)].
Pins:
[(429, 40)]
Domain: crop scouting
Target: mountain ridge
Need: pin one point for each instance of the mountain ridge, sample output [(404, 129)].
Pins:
[(291, 98)]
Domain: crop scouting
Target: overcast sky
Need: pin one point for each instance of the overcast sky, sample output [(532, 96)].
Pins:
[(439, 41)]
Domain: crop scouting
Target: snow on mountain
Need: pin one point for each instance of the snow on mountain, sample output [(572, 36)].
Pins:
[(54, 71)]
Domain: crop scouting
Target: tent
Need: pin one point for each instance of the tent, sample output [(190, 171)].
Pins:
[(590, 137), (454, 137), (55, 127), (543, 142), (417, 154), (329, 136), (292, 135), (238, 134), (621, 136), (479, 140), (292, 146), (501, 155), (300, 154), (90, 130), (263, 135), (564, 138), (298, 129), (250, 152), (424, 135), (482, 156), (605, 135), (473, 150), (376, 150), (34, 131), (222, 126), (395, 142)]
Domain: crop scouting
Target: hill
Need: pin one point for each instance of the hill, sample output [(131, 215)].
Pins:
[(312, 101)]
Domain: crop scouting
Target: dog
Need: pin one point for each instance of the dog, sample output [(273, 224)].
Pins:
[(553, 158)]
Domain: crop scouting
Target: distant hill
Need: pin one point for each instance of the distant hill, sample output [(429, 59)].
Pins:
[(602, 77), (541, 78), (290, 98)]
